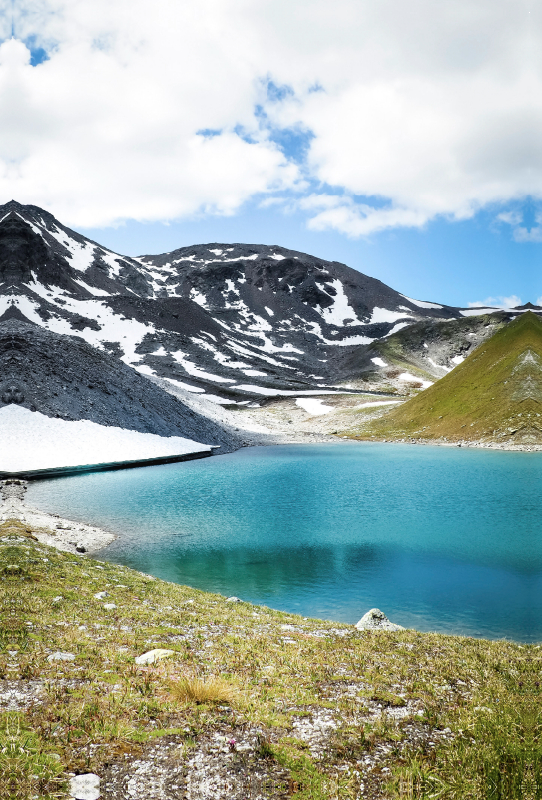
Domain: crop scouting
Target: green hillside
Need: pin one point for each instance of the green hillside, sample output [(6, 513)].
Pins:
[(494, 395)]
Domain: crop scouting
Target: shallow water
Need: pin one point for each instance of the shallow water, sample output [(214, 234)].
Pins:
[(439, 538)]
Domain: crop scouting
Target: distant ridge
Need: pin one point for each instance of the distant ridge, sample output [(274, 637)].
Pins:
[(495, 395)]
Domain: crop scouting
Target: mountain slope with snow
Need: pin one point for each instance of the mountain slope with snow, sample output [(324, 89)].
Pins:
[(233, 321)]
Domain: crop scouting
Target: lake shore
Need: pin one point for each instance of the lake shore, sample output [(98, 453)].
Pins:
[(50, 529), (341, 418), (150, 689)]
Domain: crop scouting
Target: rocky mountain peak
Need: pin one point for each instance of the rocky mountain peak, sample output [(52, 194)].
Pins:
[(236, 322)]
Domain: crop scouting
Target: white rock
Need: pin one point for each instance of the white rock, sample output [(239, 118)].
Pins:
[(376, 620), (233, 599), (153, 655), (100, 595), (85, 787), (58, 656), (110, 606)]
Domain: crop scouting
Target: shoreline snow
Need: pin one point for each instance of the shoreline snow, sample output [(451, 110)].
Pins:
[(32, 441)]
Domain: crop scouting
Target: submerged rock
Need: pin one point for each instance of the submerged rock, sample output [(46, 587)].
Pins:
[(376, 620)]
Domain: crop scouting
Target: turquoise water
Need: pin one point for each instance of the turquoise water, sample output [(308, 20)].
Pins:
[(439, 538)]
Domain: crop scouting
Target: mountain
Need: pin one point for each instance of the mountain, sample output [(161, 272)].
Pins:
[(494, 395), (235, 321), (63, 376)]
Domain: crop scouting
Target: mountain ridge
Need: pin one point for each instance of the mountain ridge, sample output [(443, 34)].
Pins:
[(212, 317), (235, 324)]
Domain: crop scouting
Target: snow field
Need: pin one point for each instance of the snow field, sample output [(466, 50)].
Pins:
[(313, 406), (31, 440)]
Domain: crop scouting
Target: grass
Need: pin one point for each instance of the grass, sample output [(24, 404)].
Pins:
[(203, 690), (414, 715), (494, 395)]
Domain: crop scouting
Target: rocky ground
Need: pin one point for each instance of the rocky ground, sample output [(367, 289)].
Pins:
[(49, 529)]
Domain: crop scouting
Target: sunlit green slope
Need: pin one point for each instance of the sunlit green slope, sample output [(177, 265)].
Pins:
[(494, 395)]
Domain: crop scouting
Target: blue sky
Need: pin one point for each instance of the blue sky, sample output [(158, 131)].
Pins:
[(403, 137)]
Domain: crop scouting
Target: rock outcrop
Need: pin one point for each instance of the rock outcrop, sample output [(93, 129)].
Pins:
[(376, 620)]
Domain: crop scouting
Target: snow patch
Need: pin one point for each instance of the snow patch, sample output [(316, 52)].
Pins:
[(473, 312), (379, 362), (199, 298), (182, 385), (396, 328), (385, 315), (340, 310), (33, 441), (406, 376), (181, 359), (421, 303), (92, 289), (313, 406)]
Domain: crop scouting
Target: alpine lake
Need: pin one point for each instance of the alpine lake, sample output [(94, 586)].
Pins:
[(439, 538)]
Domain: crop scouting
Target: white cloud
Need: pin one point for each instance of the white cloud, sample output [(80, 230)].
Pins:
[(528, 234), (520, 232), (435, 108), (497, 302), (511, 217)]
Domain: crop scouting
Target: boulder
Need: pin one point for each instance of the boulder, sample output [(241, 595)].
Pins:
[(376, 620), (58, 656), (153, 655), (85, 787)]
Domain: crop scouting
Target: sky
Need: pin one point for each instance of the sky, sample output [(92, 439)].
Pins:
[(401, 137)]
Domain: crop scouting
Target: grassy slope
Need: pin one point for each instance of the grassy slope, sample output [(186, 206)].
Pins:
[(495, 394), (101, 712)]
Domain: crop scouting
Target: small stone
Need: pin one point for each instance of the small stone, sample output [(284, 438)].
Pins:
[(58, 656), (81, 548), (110, 606), (100, 595), (376, 620), (233, 599), (58, 599), (85, 787), (153, 655)]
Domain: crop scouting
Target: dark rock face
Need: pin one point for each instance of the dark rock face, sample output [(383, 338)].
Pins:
[(20, 251), (62, 376)]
